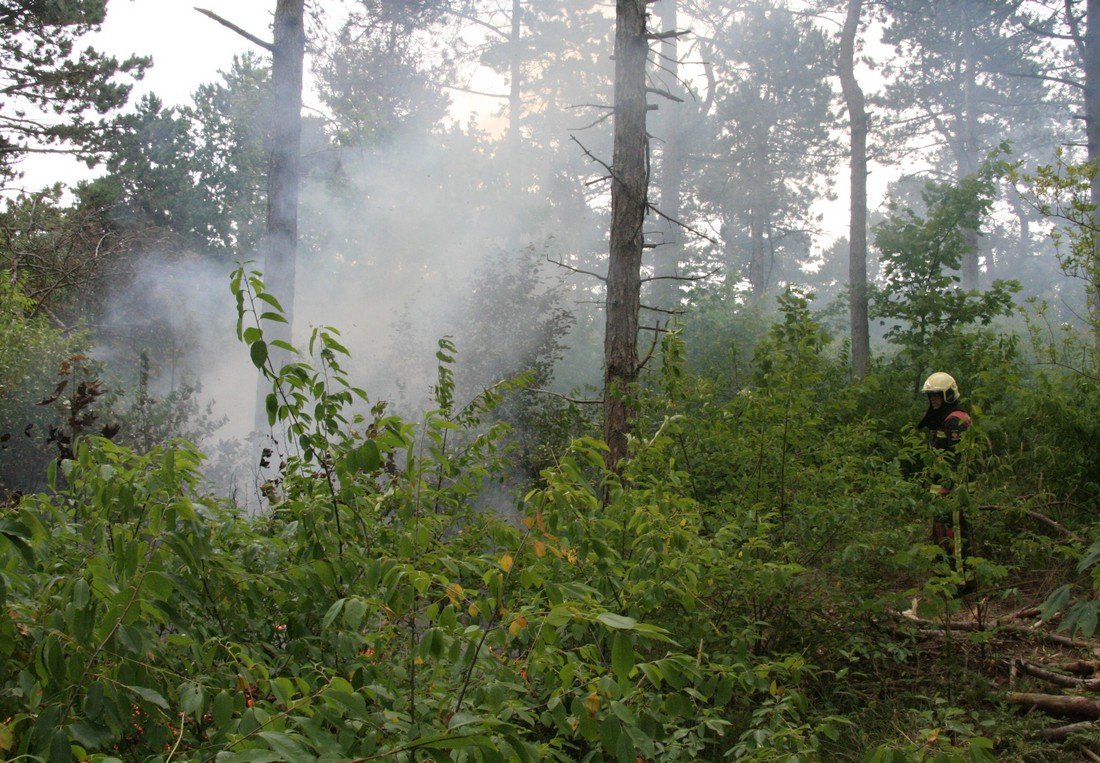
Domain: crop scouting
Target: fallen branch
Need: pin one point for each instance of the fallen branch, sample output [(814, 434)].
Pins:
[(1062, 733), (1023, 614), (1053, 638), (930, 627), (1058, 679), (1057, 704), (1053, 524), (1081, 667)]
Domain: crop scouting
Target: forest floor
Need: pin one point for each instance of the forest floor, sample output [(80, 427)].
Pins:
[(1027, 662)]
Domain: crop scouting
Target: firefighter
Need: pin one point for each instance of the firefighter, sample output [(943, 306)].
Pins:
[(946, 422)]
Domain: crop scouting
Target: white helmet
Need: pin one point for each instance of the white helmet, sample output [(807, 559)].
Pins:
[(944, 384)]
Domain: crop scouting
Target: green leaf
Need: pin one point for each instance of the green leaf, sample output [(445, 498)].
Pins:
[(191, 697), (149, 695), (354, 611), (653, 673), (81, 593), (617, 622), (367, 457), (223, 709), (250, 756), (258, 352), (332, 613), (1091, 558), (263, 296), (1055, 603), (622, 655), (285, 746), (93, 701)]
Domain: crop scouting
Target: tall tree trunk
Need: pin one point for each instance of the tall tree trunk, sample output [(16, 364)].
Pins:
[(284, 173), (758, 252), (857, 227), (666, 291), (968, 147), (1092, 130), (515, 98), (629, 187)]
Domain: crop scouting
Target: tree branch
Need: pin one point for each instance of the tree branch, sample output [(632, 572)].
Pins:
[(578, 270), (574, 400), (702, 277), (268, 46)]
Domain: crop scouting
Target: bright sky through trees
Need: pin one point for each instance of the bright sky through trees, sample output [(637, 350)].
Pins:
[(187, 48)]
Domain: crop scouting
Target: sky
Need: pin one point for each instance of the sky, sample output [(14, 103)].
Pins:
[(188, 49)]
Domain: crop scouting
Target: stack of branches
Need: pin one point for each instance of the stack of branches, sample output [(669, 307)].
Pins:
[(1078, 678)]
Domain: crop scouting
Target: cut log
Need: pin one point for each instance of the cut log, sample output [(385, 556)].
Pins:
[(1058, 704), (1081, 667), (1062, 733)]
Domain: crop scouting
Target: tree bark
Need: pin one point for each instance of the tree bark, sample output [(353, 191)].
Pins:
[(968, 147), (1058, 704), (1058, 679), (1062, 733), (857, 228), (629, 187), (284, 174), (666, 292), (758, 256), (515, 99), (1092, 131)]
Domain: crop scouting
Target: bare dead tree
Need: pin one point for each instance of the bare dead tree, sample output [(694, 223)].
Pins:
[(857, 228), (1092, 131), (284, 165), (629, 190), (667, 262)]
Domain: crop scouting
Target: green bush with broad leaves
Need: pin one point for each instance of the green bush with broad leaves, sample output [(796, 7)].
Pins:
[(729, 595)]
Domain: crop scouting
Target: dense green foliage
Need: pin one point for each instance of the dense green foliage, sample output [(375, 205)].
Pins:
[(729, 595), (465, 580)]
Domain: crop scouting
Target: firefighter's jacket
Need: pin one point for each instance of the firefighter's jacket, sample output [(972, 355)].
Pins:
[(945, 428)]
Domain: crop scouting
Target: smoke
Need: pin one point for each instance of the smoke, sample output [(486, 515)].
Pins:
[(391, 247), (179, 312)]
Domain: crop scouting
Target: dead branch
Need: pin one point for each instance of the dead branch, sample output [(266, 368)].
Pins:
[(268, 46), (574, 400), (667, 35), (653, 208), (603, 179), (1057, 704), (1081, 667), (931, 628), (664, 94), (662, 310), (594, 122), (657, 330), (578, 270), (1062, 733), (1058, 679), (701, 277), (1023, 614), (1051, 523), (1054, 638)]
